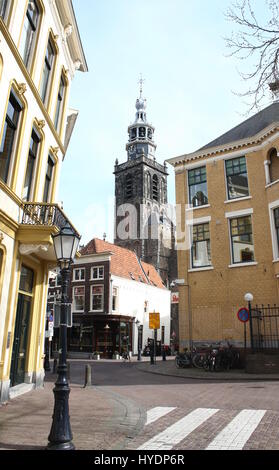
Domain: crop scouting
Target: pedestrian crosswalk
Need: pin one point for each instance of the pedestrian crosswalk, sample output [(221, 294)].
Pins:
[(169, 428), (167, 439), (158, 412), (235, 435)]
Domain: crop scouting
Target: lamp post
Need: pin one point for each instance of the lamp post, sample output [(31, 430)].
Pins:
[(60, 438), (249, 298), (139, 326)]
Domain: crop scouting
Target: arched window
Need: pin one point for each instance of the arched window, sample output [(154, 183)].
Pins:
[(148, 185), (163, 192), (142, 132), (155, 188), (274, 165)]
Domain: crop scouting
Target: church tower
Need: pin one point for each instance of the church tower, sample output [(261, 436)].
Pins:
[(141, 223)]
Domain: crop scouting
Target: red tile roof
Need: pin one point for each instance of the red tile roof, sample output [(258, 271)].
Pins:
[(124, 262)]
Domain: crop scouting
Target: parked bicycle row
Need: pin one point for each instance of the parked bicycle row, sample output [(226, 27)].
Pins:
[(214, 357)]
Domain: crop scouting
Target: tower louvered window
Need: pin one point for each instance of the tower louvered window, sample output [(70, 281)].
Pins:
[(129, 187), (155, 191)]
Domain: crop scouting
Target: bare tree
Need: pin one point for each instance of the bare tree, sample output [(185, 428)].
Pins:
[(259, 41)]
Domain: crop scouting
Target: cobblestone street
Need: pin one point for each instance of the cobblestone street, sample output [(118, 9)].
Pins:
[(137, 406)]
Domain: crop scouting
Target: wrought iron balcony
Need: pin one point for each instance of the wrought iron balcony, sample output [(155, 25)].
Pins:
[(44, 214)]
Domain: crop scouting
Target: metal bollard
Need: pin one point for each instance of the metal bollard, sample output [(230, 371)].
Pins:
[(88, 378)]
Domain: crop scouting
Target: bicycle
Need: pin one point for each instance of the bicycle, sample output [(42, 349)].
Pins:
[(126, 357)]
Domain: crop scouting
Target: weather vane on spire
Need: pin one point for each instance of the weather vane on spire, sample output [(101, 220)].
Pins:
[(141, 82)]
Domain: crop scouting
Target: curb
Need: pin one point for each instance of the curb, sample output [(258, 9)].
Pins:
[(134, 416), (212, 376)]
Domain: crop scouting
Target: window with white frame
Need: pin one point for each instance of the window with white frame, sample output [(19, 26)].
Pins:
[(78, 298), (197, 183), (97, 273), (273, 165), (114, 298), (48, 179), (60, 103), (31, 164), (47, 71), (237, 178), (79, 274), (242, 241), (201, 251), (29, 32), (9, 136), (97, 298)]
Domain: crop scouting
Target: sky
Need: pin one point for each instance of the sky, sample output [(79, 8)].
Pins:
[(190, 86)]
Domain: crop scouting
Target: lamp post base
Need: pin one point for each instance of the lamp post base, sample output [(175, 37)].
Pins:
[(62, 446), (60, 437)]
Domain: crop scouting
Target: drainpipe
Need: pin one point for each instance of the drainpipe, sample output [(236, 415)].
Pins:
[(110, 294)]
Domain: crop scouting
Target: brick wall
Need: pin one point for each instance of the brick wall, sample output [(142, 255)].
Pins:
[(210, 299)]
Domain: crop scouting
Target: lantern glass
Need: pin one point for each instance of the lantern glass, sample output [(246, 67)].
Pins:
[(66, 244)]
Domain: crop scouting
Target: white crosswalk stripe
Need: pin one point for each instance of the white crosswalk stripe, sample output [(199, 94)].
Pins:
[(235, 435), (156, 413), (174, 434)]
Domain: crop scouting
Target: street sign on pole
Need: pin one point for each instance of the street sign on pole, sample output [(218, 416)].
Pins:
[(154, 321), (243, 314)]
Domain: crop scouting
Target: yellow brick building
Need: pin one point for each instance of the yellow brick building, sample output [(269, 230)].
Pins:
[(40, 52), (228, 195)]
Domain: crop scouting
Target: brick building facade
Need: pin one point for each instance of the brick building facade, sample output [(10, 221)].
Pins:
[(112, 293), (231, 187)]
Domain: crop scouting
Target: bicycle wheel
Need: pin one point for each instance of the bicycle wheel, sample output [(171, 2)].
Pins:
[(206, 365), (198, 361)]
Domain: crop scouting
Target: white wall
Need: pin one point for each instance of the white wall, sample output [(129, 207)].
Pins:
[(132, 296)]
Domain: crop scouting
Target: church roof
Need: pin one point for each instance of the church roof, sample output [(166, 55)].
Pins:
[(248, 128), (124, 262)]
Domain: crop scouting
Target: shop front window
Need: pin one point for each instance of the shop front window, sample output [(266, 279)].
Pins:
[(124, 337)]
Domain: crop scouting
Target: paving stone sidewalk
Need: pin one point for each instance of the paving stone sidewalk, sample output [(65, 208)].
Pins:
[(25, 421), (168, 367)]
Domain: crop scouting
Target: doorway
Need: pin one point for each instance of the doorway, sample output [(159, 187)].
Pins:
[(23, 314), (104, 342)]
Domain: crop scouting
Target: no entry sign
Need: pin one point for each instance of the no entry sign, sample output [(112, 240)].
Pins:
[(243, 314)]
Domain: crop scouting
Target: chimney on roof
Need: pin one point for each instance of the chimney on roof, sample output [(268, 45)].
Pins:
[(274, 88), (104, 236)]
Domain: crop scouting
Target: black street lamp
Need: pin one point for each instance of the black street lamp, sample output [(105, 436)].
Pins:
[(140, 327), (60, 438), (249, 298)]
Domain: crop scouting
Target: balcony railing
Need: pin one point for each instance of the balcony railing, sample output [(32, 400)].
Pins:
[(43, 214)]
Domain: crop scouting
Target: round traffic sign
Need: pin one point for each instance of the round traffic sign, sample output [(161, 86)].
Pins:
[(243, 314)]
